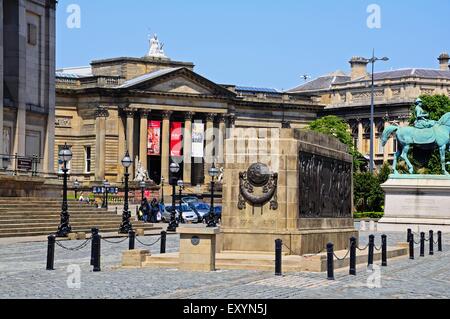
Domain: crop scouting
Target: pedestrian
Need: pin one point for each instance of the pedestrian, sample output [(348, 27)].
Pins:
[(154, 210), (145, 208)]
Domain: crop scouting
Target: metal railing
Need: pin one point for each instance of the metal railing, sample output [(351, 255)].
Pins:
[(20, 165)]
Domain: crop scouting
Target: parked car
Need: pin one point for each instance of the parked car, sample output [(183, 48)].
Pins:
[(190, 200), (218, 211), (201, 209), (189, 216)]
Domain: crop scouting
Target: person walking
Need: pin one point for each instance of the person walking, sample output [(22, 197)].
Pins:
[(154, 210), (145, 208)]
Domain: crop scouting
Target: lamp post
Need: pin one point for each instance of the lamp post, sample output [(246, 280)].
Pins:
[(142, 184), (372, 109), (180, 184), (76, 187), (106, 186), (213, 172), (126, 226), (162, 191), (174, 169), (65, 155)]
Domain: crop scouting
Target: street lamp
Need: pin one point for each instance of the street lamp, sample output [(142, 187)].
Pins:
[(126, 226), (180, 184), (76, 187), (65, 155), (106, 186), (143, 185), (162, 191), (372, 108), (174, 169), (213, 172)]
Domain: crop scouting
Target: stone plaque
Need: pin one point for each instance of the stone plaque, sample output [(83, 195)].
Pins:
[(195, 240), (325, 187)]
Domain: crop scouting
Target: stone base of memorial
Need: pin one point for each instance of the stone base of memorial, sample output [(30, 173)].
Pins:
[(419, 202)]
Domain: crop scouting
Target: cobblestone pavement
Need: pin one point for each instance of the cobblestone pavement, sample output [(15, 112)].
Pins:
[(23, 275)]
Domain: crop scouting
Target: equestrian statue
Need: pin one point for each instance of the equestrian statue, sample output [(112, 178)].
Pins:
[(424, 132)]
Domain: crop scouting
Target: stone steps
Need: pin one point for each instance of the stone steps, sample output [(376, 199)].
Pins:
[(21, 217)]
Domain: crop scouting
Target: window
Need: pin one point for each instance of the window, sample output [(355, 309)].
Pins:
[(6, 141), (87, 159), (32, 34), (33, 144)]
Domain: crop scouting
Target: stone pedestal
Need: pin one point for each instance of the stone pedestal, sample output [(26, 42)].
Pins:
[(311, 205), (419, 202), (197, 248)]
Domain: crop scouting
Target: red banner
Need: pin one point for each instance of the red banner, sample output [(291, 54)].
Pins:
[(175, 138), (154, 138)]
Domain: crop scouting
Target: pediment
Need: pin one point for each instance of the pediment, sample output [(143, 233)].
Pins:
[(176, 81), (182, 85)]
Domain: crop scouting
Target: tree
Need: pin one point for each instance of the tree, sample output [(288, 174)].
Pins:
[(335, 126)]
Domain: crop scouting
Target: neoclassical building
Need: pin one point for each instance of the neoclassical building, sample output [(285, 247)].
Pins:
[(160, 111), (349, 96), (27, 82)]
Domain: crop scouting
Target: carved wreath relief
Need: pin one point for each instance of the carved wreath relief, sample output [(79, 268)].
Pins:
[(258, 176)]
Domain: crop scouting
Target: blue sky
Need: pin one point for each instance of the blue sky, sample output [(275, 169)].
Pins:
[(257, 42)]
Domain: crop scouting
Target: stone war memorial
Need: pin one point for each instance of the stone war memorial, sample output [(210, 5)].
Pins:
[(288, 184), (418, 202)]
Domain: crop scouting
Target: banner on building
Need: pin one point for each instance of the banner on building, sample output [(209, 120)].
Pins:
[(176, 142), (198, 139), (154, 138)]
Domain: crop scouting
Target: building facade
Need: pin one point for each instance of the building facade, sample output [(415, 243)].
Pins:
[(157, 109), (27, 88), (349, 96)]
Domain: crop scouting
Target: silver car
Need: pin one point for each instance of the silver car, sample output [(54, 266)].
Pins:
[(189, 216)]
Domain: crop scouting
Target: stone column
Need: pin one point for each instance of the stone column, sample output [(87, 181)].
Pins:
[(360, 137), (121, 147), (220, 145), (143, 139), (20, 94), (101, 114), (209, 149), (130, 139), (165, 144), (1, 80), (49, 142), (187, 147)]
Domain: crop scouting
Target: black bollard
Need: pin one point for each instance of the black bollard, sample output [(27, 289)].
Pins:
[(422, 244), (163, 242), (371, 250), (352, 271), (431, 243), (93, 232), (278, 261), (411, 246), (383, 251), (408, 235), (440, 241), (132, 242), (97, 252), (51, 252), (330, 261)]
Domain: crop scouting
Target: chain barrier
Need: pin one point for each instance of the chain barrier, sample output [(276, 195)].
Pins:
[(148, 245), (343, 258), (115, 242), (376, 248), (361, 249), (83, 245)]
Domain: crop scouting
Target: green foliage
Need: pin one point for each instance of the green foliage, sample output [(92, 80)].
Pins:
[(368, 194), (373, 215), (335, 126), (427, 161)]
